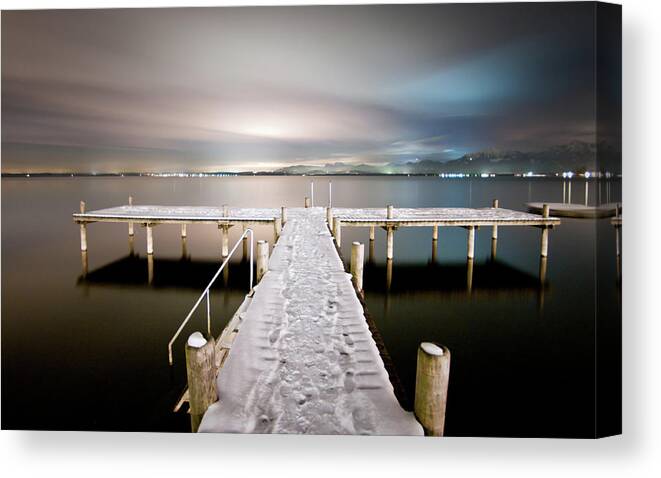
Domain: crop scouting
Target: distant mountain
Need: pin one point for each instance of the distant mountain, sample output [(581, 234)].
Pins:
[(577, 156)]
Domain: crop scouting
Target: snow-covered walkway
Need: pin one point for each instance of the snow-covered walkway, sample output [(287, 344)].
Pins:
[(304, 360)]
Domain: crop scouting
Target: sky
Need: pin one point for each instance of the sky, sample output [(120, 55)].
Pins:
[(236, 89)]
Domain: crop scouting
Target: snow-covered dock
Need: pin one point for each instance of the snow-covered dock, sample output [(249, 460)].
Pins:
[(305, 360)]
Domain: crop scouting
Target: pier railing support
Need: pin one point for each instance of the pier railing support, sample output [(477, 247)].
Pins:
[(357, 260), (262, 259), (201, 375), (431, 387), (307, 201), (470, 253), (337, 231), (544, 248), (283, 215), (329, 217), (389, 211)]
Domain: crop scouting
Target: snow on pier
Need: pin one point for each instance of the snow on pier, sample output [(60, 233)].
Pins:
[(177, 214), (305, 361)]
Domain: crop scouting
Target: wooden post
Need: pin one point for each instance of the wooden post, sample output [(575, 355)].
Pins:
[(390, 239), (183, 231), (184, 249), (434, 250), (357, 259), (131, 246), (226, 210), (262, 259), (542, 269), (224, 240), (150, 239), (83, 237), (371, 233), (84, 262), (371, 253), (244, 244), (201, 375), (569, 192), (494, 230), (434, 233), (83, 229), (283, 215), (131, 232), (544, 249), (471, 242), (337, 231), (307, 201), (389, 211), (277, 229), (388, 275), (329, 218), (431, 387), (586, 192), (150, 268), (469, 275)]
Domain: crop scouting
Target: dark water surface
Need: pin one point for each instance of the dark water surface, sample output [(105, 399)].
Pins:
[(90, 353)]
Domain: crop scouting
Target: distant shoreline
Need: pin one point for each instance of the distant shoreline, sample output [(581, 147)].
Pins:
[(560, 175)]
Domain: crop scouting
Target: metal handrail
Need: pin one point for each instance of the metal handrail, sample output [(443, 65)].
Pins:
[(206, 292)]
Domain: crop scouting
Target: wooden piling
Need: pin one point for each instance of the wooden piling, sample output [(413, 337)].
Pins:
[(544, 248), (390, 239), (226, 210), (83, 237), (494, 229), (357, 260), (183, 231), (277, 229), (150, 239), (471, 242), (337, 231), (150, 269), (434, 233), (307, 201), (469, 275), (131, 231), (372, 233), (244, 244), (329, 217), (431, 387), (84, 263), (389, 211), (283, 215), (224, 240), (201, 375), (262, 259)]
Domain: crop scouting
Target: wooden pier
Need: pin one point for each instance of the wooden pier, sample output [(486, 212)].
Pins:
[(305, 360)]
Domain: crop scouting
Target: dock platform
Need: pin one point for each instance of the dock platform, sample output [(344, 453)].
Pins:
[(305, 360)]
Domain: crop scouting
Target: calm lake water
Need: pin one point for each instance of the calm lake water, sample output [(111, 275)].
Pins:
[(90, 353)]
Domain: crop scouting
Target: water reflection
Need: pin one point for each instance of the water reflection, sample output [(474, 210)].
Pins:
[(490, 278), (182, 273)]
